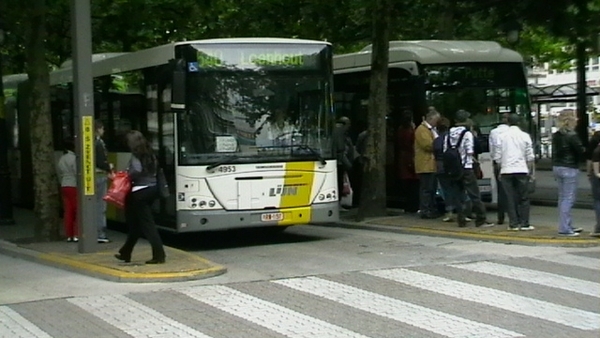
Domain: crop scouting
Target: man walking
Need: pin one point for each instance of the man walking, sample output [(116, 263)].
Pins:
[(462, 138), (516, 159), (425, 165), (494, 144)]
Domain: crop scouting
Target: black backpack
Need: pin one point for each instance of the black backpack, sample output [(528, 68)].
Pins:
[(453, 166)]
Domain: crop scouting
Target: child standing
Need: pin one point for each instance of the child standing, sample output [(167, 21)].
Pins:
[(67, 173)]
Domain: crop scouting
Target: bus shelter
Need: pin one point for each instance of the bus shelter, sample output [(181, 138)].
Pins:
[(553, 94)]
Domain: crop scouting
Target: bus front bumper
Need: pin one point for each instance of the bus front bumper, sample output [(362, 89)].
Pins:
[(195, 220)]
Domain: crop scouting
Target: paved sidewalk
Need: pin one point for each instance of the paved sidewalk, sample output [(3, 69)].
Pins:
[(16, 240), (542, 218)]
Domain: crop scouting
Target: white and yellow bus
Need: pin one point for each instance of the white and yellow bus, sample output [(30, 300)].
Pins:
[(242, 127), (481, 77)]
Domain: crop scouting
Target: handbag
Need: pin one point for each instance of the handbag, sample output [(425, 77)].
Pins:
[(161, 181), (120, 187)]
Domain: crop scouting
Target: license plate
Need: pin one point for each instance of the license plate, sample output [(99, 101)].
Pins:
[(485, 188), (271, 217)]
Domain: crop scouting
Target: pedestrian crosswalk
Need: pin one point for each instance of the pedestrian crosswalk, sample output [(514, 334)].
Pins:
[(547, 296)]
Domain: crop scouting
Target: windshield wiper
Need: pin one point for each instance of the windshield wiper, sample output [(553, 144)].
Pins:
[(313, 151), (222, 161)]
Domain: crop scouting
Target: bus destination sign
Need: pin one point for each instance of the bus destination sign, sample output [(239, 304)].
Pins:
[(256, 57)]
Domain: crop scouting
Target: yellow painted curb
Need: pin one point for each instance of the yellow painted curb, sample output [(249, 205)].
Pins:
[(504, 238), (93, 268)]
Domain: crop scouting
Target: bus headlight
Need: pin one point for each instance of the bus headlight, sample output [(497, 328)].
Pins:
[(326, 196)]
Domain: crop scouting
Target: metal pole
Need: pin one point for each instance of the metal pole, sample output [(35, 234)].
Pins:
[(6, 210), (83, 105), (582, 114)]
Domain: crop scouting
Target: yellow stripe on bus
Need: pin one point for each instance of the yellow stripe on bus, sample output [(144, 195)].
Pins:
[(297, 190)]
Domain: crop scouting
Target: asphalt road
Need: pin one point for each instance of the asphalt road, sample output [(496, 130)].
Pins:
[(321, 282)]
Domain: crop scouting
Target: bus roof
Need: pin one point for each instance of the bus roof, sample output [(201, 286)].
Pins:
[(156, 56), (254, 40), (12, 81), (432, 52)]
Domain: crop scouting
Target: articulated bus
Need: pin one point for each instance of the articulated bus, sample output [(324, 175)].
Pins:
[(479, 76), (241, 126)]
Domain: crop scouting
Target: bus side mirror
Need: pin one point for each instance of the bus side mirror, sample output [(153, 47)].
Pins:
[(178, 94)]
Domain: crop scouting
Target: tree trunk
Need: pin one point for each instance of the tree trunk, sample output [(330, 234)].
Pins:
[(42, 149), (445, 29), (373, 197)]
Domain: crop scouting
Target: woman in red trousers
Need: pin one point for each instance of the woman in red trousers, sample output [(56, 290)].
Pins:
[(67, 173)]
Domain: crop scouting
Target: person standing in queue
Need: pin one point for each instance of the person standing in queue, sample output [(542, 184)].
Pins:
[(67, 174), (425, 165), (341, 152), (142, 170), (103, 171), (405, 156), (567, 154), (494, 146), (516, 161)]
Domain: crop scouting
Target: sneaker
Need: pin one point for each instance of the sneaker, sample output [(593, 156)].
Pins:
[(527, 228), (577, 229), (75, 239), (468, 219), (103, 240), (512, 228), (449, 217), (485, 225), (570, 234), (69, 239)]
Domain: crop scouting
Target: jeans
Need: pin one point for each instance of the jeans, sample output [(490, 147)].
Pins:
[(469, 184), (101, 188), (427, 187), (449, 193), (567, 193), (595, 183), (502, 203), (516, 191)]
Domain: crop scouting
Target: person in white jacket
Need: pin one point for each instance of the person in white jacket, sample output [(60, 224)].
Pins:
[(67, 173)]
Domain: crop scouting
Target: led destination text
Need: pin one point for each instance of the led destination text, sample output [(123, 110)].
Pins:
[(245, 59)]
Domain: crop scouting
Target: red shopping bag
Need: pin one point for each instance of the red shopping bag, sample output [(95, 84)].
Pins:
[(120, 187)]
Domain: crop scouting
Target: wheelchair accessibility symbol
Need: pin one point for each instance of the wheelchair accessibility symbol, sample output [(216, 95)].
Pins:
[(193, 67)]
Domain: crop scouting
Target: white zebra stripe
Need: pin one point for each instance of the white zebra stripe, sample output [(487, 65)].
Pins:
[(564, 315), (134, 318), (13, 325), (536, 277), (572, 260), (271, 316), (424, 318)]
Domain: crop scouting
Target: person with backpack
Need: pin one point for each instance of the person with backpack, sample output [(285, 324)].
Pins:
[(447, 189), (458, 166)]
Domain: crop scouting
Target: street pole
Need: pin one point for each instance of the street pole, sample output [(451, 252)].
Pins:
[(581, 55), (83, 107), (582, 114), (6, 209)]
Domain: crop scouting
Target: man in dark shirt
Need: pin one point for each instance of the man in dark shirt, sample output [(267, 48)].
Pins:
[(103, 169), (340, 151)]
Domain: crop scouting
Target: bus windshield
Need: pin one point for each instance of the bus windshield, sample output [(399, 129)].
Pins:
[(254, 115), (486, 90)]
